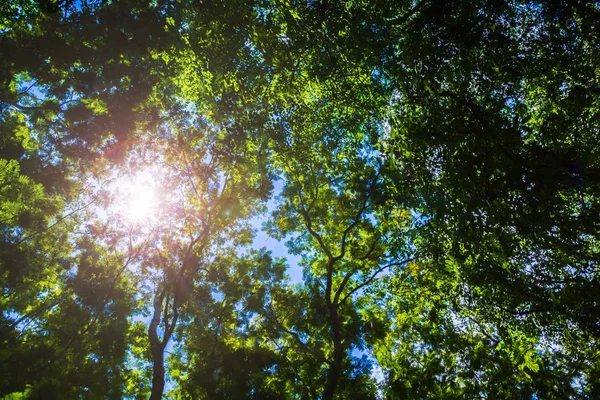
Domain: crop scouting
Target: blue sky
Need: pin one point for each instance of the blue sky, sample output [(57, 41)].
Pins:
[(277, 248)]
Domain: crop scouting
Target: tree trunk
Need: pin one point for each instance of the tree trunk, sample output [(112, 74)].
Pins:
[(335, 369), (333, 376), (157, 348), (158, 372)]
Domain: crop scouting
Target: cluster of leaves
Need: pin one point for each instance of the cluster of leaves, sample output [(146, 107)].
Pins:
[(495, 128), (439, 175)]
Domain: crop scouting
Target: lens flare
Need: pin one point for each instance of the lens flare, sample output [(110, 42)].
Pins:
[(142, 201)]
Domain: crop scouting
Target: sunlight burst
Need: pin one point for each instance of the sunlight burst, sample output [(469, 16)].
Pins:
[(141, 201)]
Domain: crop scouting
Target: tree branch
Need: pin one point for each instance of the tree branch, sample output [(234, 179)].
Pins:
[(401, 19), (340, 289), (313, 233), (374, 275), (57, 222), (304, 346)]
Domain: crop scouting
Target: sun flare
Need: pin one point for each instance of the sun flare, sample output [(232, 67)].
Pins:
[(140, 196), (142, 201)]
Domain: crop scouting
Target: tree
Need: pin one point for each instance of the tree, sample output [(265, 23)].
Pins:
[(225, 353), (208, 178), (492, 127), (64, 108), (439, 174), (82, 106), (333, 209)]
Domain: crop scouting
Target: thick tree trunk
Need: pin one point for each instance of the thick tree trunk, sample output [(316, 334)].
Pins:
[(335, 369), (333, 377), (157, 348), (166, 309), (158, 373)]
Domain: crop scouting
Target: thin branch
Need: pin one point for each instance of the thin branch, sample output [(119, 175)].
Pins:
[(307, 387), (54, 107), (401, 19), (33, 313), (305, 348), (165, 315), (340, 289), (355, 222), (357, 218), (34, 83), (169, 331), (189, 175), (371, 249), (483, 331), (57, 222), (374, 275), (313, 233)]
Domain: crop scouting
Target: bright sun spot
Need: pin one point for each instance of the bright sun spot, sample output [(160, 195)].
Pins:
[(142, 200), (135, 197)]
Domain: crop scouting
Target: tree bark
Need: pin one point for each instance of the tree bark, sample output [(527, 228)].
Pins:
[(335, 369), (166, 308), (157, 348), (333, 375), (158, 372)]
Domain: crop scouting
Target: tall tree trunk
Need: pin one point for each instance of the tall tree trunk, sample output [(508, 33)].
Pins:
[(158, 372), (335, 369), (333, 376), (166, 308), (157, 348)]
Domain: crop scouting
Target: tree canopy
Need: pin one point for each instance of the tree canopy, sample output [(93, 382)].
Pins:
[(434, 167)]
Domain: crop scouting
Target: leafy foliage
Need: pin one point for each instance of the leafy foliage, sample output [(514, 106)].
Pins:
[(434, 166)]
